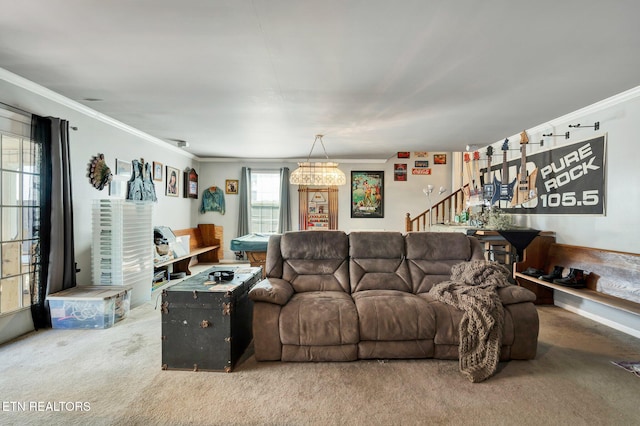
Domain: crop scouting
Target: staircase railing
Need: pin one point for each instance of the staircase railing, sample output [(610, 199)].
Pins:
[(441, 212)]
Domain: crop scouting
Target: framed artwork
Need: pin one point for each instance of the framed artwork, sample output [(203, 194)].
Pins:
[(191, 184), (157, 171), (439, 158), (231, 186), (421, 154), (422, 163), (404, 154), (120, 183), (173, 182), (123, 168), (400, 172), (421, 171), (367, 194)]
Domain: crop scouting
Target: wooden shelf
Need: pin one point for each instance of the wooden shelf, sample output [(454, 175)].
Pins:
[(193, 252), (605, 269), (181, 264), (204, 243), (587, 294)]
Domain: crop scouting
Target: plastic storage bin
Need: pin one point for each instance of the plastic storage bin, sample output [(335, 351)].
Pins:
[(89, 306)]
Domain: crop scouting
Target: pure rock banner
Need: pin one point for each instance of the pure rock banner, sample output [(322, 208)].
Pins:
[(569, 179)]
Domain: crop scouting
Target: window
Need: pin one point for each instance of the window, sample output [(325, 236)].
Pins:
[(265, 201), (20, 163)]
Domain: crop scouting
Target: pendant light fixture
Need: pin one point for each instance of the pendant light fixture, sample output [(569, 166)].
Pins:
[(318, 173)]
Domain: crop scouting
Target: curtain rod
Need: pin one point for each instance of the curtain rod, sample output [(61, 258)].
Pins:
[(15, 109), (24, 112)]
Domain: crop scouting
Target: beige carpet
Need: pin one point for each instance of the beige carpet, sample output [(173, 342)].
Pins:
[(116, 373)]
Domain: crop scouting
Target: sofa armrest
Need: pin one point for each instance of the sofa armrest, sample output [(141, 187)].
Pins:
[(272, 290), (515, 294)]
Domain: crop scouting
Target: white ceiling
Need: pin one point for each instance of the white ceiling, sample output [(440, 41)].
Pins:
[(259, 79)]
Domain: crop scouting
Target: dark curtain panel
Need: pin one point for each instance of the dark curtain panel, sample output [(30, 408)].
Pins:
[(284, 221), (245, 198), (57, 254)]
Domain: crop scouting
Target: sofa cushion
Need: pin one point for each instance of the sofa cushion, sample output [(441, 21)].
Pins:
[(273, 262), (377, 262), (448, 323), (376, 245), (314, 245), (272, 290), (389, 315), (430, 256), (515, 294), (438, 246), (315, 260), (319, 318)]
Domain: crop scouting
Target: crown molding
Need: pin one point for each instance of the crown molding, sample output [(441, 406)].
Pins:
[(49, 94), (289, 160), (590, 109)]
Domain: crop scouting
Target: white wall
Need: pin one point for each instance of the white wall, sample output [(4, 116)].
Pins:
[(400, 197)]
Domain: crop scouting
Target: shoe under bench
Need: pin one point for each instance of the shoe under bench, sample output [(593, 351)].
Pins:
[(613, 280)]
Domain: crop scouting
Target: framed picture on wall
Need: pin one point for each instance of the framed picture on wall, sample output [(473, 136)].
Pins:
[(190, 183), (157, 171), (173, 182), (231, 186), (439, 158), (367, 194), (118, 186), (400, 172)]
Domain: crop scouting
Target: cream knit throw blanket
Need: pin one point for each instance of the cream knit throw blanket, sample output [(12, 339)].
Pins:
[(473, 289)]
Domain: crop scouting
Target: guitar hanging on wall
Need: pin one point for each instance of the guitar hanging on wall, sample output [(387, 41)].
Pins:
[(526, 189), (487, 186), (476, 173), (466, 189), (503, 191)]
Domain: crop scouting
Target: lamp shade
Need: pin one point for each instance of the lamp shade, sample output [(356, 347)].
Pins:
[(317, 174)]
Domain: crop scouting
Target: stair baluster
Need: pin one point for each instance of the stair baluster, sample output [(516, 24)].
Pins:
[(444, 210)]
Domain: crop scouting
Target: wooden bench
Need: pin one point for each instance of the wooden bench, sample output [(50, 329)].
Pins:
[(204, 246), (613, 280)]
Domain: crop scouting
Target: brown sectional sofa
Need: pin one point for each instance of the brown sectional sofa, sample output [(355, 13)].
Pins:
[(329, 296)]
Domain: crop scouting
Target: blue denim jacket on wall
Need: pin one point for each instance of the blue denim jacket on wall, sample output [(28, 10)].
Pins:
[(212, 200)]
